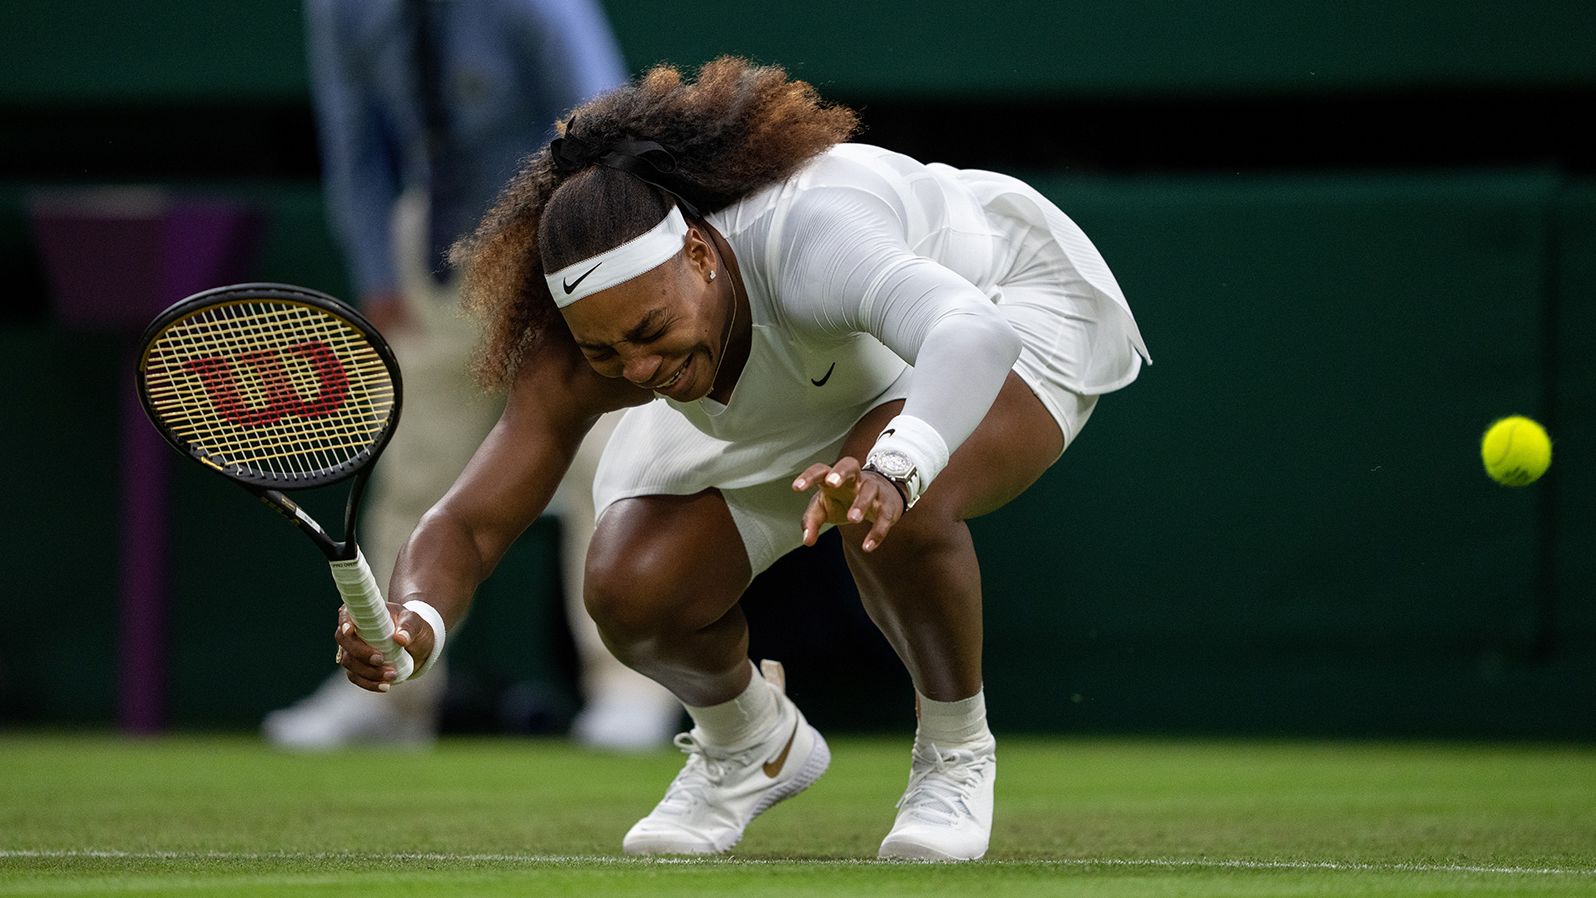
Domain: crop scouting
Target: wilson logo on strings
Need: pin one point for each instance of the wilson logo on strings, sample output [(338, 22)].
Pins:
[(282, 399)]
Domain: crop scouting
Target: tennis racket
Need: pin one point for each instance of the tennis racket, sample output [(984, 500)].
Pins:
[(279, 388)]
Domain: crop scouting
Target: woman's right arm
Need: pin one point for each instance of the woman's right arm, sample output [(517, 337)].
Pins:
[(509, 481)]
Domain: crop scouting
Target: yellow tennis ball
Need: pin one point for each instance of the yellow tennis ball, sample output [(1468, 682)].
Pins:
[(1516, 451)]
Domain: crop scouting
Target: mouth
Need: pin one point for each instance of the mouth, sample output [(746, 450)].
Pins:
[(671, 381)]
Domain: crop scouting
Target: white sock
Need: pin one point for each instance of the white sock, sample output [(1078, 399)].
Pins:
[(740, 722), (952, 723)]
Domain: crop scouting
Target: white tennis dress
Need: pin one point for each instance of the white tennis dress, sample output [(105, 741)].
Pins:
[(872, 277)]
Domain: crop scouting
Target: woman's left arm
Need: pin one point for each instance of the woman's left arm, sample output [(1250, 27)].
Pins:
[(849, 269)]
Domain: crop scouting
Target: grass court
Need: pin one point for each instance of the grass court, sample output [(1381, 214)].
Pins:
[(198, 815)]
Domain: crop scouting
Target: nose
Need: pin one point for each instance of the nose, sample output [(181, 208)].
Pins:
[(641, 368)]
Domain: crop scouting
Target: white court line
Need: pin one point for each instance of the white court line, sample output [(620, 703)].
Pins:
[(571, 859)]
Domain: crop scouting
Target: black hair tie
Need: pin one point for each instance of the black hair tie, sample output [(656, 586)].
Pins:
[(644, 160), (572, 154)]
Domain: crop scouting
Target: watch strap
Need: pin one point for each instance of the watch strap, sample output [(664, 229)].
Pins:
[(918, 441), (904, 491)]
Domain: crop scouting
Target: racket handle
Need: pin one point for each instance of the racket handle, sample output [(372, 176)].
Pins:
[(366, 606)]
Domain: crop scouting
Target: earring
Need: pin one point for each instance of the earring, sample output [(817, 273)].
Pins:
[(712, 274)]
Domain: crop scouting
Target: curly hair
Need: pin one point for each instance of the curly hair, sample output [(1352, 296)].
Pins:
[(736, 128)]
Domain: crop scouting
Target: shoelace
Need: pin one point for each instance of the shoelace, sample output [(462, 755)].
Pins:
[(942, 782), (702, 770)]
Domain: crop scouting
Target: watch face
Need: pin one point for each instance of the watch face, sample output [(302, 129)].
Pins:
[(893, 464)]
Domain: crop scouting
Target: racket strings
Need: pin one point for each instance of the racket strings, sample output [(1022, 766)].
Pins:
[(269, 430), (265, 410), (270, 413), (280, 388)]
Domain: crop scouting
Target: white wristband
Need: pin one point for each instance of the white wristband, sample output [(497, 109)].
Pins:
[(920, 442), (435, 621)]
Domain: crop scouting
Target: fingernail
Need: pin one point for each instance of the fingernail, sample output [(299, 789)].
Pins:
[(376, 659), (349, 628), (855, 515), (798, 484), (404, 633), (869, 544), (382, 687), (834, 479), (390, 674)]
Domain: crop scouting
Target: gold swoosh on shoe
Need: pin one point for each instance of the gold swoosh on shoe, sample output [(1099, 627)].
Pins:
[(774, 765)]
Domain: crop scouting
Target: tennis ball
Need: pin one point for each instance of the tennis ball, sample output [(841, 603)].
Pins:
[(1516, 451)]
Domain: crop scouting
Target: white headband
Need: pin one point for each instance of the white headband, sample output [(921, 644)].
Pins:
[(637, 256)]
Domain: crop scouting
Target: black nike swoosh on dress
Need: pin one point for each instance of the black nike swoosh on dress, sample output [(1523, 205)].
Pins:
[(825, 377), (571, 285)]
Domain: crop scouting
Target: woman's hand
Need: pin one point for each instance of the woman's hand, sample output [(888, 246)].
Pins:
[(364, 665), (847, 494)]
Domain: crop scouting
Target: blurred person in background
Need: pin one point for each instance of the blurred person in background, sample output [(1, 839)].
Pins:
[(424, 109)]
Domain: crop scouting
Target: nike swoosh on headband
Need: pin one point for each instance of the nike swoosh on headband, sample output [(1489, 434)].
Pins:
[(571, 285)]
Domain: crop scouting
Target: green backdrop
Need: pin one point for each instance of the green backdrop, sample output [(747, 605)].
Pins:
[(95, 50), (1281, 527)]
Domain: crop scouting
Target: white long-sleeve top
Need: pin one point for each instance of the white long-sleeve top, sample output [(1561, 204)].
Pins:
[(870, 277)]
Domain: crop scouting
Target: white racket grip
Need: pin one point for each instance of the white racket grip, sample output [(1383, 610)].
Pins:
[(364, 599)]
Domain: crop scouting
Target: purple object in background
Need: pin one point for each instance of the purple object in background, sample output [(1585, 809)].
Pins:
[(115, 257), (141, 639)]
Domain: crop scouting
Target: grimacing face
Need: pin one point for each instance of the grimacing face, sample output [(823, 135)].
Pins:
[(664, 330)]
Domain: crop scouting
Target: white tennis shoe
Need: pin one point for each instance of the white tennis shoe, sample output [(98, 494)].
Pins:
[(719, 792), (946, 813)]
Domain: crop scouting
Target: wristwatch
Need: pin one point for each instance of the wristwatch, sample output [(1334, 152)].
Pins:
[(900, 469)]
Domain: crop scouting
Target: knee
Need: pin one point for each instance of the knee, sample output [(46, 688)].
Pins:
[(656, 570), (928, 528), (627, 597)]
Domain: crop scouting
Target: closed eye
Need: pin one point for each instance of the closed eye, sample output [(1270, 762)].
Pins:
[(654, 324), (653, 327)]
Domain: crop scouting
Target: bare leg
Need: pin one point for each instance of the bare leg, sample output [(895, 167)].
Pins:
[(923, 589), (621, 709), (664, 574), (922, 586)]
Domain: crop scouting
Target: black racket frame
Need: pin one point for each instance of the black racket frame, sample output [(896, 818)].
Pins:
[(267, 491)]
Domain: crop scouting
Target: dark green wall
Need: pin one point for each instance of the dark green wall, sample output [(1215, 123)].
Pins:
[(1286, 519), (1571, 345), (193, 49), (1282, 527)]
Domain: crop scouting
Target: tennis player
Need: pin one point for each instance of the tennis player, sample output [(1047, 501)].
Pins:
[(808, 333)]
